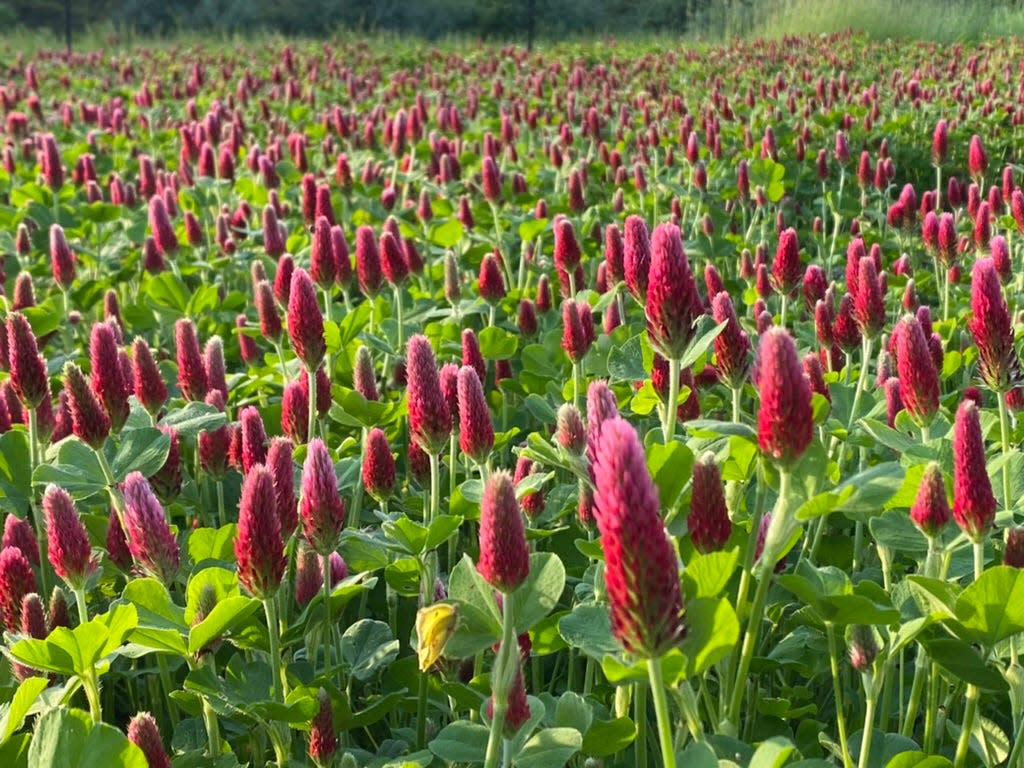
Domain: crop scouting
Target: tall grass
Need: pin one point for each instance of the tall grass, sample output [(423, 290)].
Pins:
[(940, 21)]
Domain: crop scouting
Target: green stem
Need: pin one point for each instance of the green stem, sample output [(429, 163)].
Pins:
[(931, 710), (502, 678), (165, 681), (576, 384), (92, 693), (869, 720), (837, 686), (1004, 433), (668, 754), (916, 690), (964, 742), (421, 711), (210, 717), (327, 613), (311, 423), (276, 662), (221, 512), (979, 558), (668, 428), (737, 393), (640, 716), (1018, 749), (782, 311), (767, 564), (399, 317)]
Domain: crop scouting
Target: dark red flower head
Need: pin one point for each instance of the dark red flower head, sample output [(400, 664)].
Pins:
[(108, 381), (636, 255), (62, 260), (150, 540), (143, 733), (641, 568), (191, 370), (708, 520), (786, 269), (379, 466), (476, 430), (429, 419), (67, 541), (305, 322), (320, 507), (919, 380), (16, 581), (974, 505), (149, 385), (26, 365), (930, 511), (504, 554), (992, 329), (785, 423), (258, 547), (672, 299), (89, 421)]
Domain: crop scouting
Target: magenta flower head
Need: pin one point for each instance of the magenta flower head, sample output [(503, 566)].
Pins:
[(148, 383), (295, 412), (166, 482), (33, 624), (18, 533), (636, 255), (26, 365), (574, 339), (430, 421), (708, 520), (672, 299), (392, 259), (992, 329), (322, 266), (214, 445), (977, 160), (282, 279), (919, 380), (504, 555), (368, 267), (273, 240), (449, 378), (364, 376), (930, 511), (491, 180), (320, 507), (490, 283), (732, 347), (940, 142), (266, 310), (566, 247), (379, 467), (160, 225), (258, 547), (785, 422), (153, 546), (108, 380), (1013, 555), (476, 431), (16, 581), (191, 371), (53, 171), (641, 568), (143, 733), (974, 505), (254, 438), (868, 299), (786, 269), (67, 541), (614, 254), (471, 354), (89, 422), (305, 323), (281, 468), (570, 432), (62, 260), (601, 407), (323, 741)]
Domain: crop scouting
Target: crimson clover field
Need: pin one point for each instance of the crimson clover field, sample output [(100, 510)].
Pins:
[(370, 403)]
